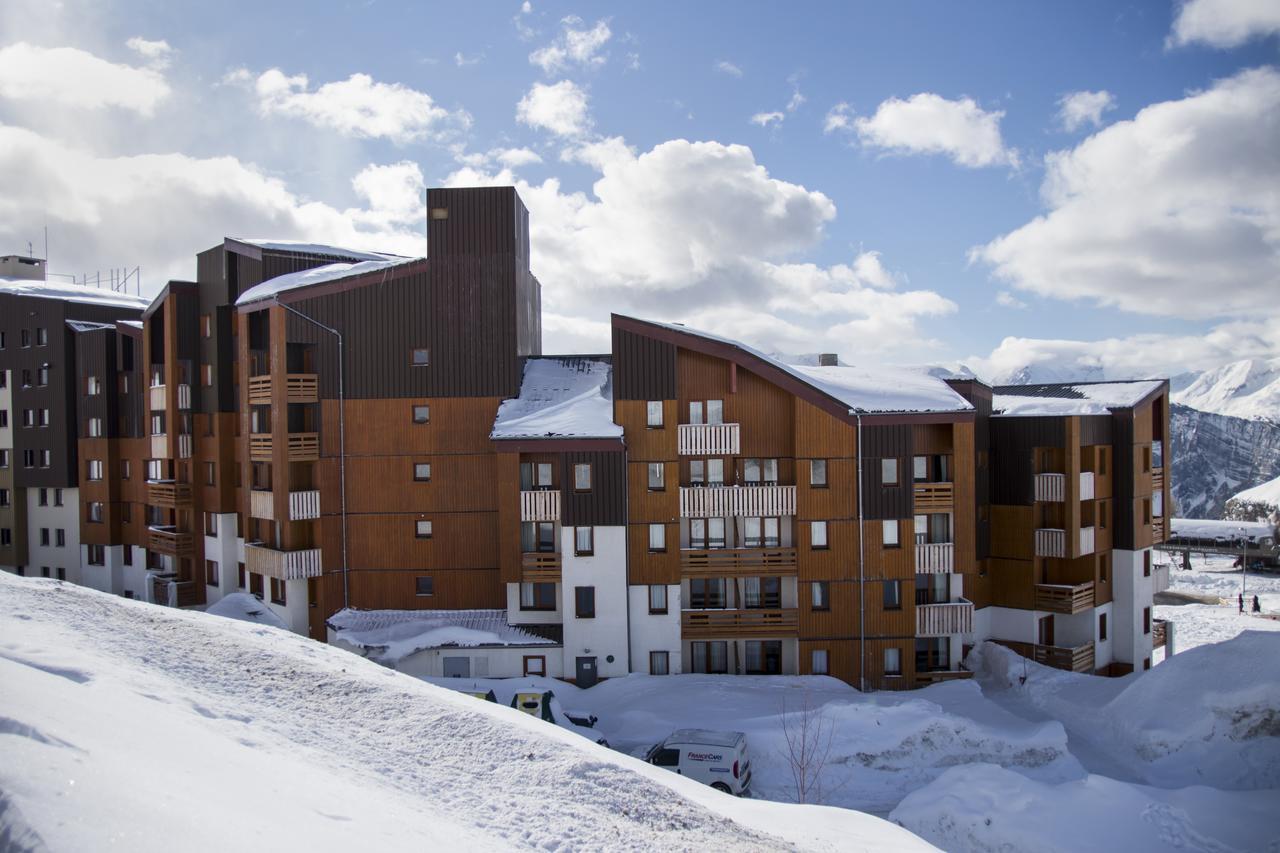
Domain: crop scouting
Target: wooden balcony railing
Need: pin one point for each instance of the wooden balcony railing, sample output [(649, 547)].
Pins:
[(715, 562), (1157, 530), (1064, 598), (299, 388), (933, 497), (725, 501), (540, 567), (935, 558), (1159, 633), (166, 540), (303, 446), (739, 623), (1051, 542), (1070, 658), (540, 505), (169, 592), (168, 493), (943, 620), (707, 439), (282, 565)]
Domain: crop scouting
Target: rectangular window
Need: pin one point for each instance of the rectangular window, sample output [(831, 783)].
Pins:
[(535, 665), (4, 418), (1146, 620), (889, 532), (422, 471), (42, 497), (210, 524), (715, 472), (715, 533), (44, 536), (1157, 504), (1146, 511), (657, 538), (654, 414), (97, 555), (695, 412), (706, 593), (126, 512), (818, 661), (893, 662), (127, 552), (659, 663), (93, 386), (818, 535), (538, 537), (1146, 564), (6, 536), (42, 376), (657, 475), (820, 595), (888, 472), (818, 473), (584, 541), (4, 497), (421, 357), (211, 572), (26, 337), (710, 657), (751, 532), (422, 529), (920, 468), (421, 413), (207, 375), (60, 538), (95, 427), (893, 595), (761, 593), (715, 411), (424, 585), (697, 472), (1102, 626), (277, 592), (4, 458), (584, 602), (46, 458), (94, 512), (657, 599), (582, 477), (42, 336), (537, 596), (44, 417), (210, 474)]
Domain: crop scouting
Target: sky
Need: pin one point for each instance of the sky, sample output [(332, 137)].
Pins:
[(1085, 187)]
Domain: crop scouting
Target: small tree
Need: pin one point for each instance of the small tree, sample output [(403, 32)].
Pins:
[(809, 735)]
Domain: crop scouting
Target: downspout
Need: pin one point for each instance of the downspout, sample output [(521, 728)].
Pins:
[(342, 442), (862, 579)]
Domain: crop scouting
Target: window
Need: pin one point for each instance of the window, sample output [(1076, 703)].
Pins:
[(210, 524), (210, 474), (1157, 504), (582, 477), (657, 472), (659, 663), (538, 537), (1146, 459), (695, 412), (439, 214), (42, 497), (277, 592), (206, 371), (6, 536), (126, 512), (1102, 461), (4, 497), (715, 472), (61, 574), (1104, 567), (584, 602), (421, 357), (657, 599), (761, 593), (124, 383), (4, 418), (422, 471), (126, 470), (706, 593), (697, 472), (654, 415), (818, 662), (26, 377), (95, 469), (535, 665), (94, 512), (421, 413), (920, 468), (889, 532), (893, 595), (422, 529), (4, 458), (46, 458), (657, 538), (584, 541), (28, 417), (760, 532), (206, 326), (537, 596), (28, 459), (1146, 564), (888, 472), (97, 554), (255, 585), (95, 427), (42, 336), (93, 386), (1146, 510), (818, 535), (1146, 620), (536, 476), (44, 417), (424, 585), (818, 473), (760, 471), (211, 572), (127, 555), (1102, 626), (820, 595), (26, 337), (710, 657), (240, 575), (42, 375), (44, 536), (44, 571), (893, 662), (60, 538)]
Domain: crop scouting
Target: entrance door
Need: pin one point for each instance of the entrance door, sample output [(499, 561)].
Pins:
[(457, 667), (1046, 630), (586, 672), (773, 657)]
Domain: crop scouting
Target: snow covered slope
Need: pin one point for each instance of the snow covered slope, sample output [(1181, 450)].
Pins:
[(133, 727), (1215, 456), (1248, 389)]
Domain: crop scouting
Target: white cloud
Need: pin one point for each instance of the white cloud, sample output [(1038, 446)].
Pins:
[(67, 76), (358, 106), (766, 119), (507, 158), (573, 46), (526, 7), (927, 123), (467, 61), (393, 193), (724, 66), (523, 30), (1224, 23), (839, 117), (1008, 300), (559, 107), (157, 53), (1080, 108), (797, 100), (1174, 212)]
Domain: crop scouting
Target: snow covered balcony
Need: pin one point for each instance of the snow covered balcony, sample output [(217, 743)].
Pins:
[(1064, 598), (299, 388), (282, 565), (698, 624), (933, 497), (728, 501), (719, 562), (302, 446), (943, 620), (303, 506), (540, 505), (1051, 542), (167, 493), (707, 439), (935, 558)]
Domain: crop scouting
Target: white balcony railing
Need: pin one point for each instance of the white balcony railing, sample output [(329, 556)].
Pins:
[(934, 558), (540, 505), (943, 620), (155, 398), (707, 439), (1051, 542), (184, 447), (160, 446), (1051, 487), (184, 396), (726, 501), (303, 506), (1086, 541), (282, 565), (1086, 485)]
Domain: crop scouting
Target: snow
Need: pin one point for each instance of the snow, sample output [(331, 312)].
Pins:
[(245, 607), (136, 727), (1210, 528), (1265, 493), (303, 248), (79, 293), (86, 326), (1217, 576), (1248, 389), (570, 397), (392, 635), (1087, 399), (317, 275)]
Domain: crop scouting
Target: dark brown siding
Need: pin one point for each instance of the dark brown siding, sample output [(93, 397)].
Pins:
[(1095, 429), (1012, 461), (1124, 535), (606, 503), (643, 368), (884, 442)]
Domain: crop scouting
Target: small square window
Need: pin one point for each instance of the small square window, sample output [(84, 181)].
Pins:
[(582, 477), (425, 585), (657, 599), (888, 472), (439, 213), (818, 535), (421, 357), (421, 413), (889, 528), (422, 529), (657, 538), (818, 473), (422, 471)]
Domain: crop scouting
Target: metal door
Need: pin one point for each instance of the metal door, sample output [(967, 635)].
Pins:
[(586, 672), (457, 667)]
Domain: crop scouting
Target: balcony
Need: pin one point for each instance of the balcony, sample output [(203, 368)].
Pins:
[(934, 497), (1051, 542), (303, 446), (156, 398), (1159, 633), (1086, 485), (540, 505), (1064, 598), (935, 558), (696, 624), (184, 447), (282, 565), (943, 620), (1069, 658), (1157, 530), (167, 493), (299, 388), (1052, 488), (540, 567), (160, 446), (718, 562), (707, 439), (167, 540), (726, 501), (1157, 456), (1086, 541), (303, 506)]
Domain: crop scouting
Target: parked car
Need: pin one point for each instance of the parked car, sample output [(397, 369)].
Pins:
[(718, 759)]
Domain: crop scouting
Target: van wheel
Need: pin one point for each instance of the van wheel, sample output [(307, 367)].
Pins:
[(722, 787)]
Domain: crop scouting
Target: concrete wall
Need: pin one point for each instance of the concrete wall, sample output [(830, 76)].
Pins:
[(605, 635), (224, 549), (490, 662), (66, 518), (1131, 593), (655, 632)]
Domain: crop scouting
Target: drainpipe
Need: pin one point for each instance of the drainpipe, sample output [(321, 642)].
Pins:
[(342, 442), (862, 580)]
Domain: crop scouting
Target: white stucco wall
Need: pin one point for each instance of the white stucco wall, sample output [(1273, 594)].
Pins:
[(66, 517), (605, 635), (488, 662), (296, 610), (655, 632), (224, 549), (1131, 593)]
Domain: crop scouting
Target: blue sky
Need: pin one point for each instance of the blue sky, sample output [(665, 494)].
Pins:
[(852, 160)]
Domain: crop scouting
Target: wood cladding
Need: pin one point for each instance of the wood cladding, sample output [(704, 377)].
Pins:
[(457, 425), (386, 484), (645, 444), (643, 368), (606, 502), (764, 410), (459, 540), (648, 567), (646, 505)]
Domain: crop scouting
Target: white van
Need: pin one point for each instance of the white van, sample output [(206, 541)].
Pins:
[(718, 759)]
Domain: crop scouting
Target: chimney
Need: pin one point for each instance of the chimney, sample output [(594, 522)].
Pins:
[(829, 359)]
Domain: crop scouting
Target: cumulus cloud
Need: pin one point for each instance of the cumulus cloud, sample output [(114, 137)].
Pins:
[(766, 119), (71, 77), (359, 106), (463, 61), (724, 66), (157, 53), (1224, 23), (1080, 108), (574, 46), (558, 107), (797, 99), (392, 192), (1174, 212), (839, 117), (1007, 300), (927, 123)]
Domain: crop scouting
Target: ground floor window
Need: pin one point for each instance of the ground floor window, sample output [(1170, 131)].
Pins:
[(657, 599), (255, 584), (764, 657), (277, 592), (211, 572), (710, 657), (537, 596), (535, 665), (818, 662), (893, 662), (933, 654), (659, 663)]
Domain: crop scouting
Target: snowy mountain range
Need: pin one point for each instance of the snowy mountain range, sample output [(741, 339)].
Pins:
[(1248, 389)]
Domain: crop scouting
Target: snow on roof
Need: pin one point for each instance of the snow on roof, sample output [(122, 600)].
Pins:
[(137, 324), (570, 397), (391, 635), (706, 736), (1266, 493), (1081, 398), (862, 389), (303, 248), (1211, 528), (316, 275), (86, 326), (79, 293), (246, 608)]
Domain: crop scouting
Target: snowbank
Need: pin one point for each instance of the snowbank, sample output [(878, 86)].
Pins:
[(137, 727), (243, 606), (1267, 493)]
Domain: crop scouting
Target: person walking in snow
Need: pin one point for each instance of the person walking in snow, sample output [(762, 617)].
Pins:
[(1257, 607)]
